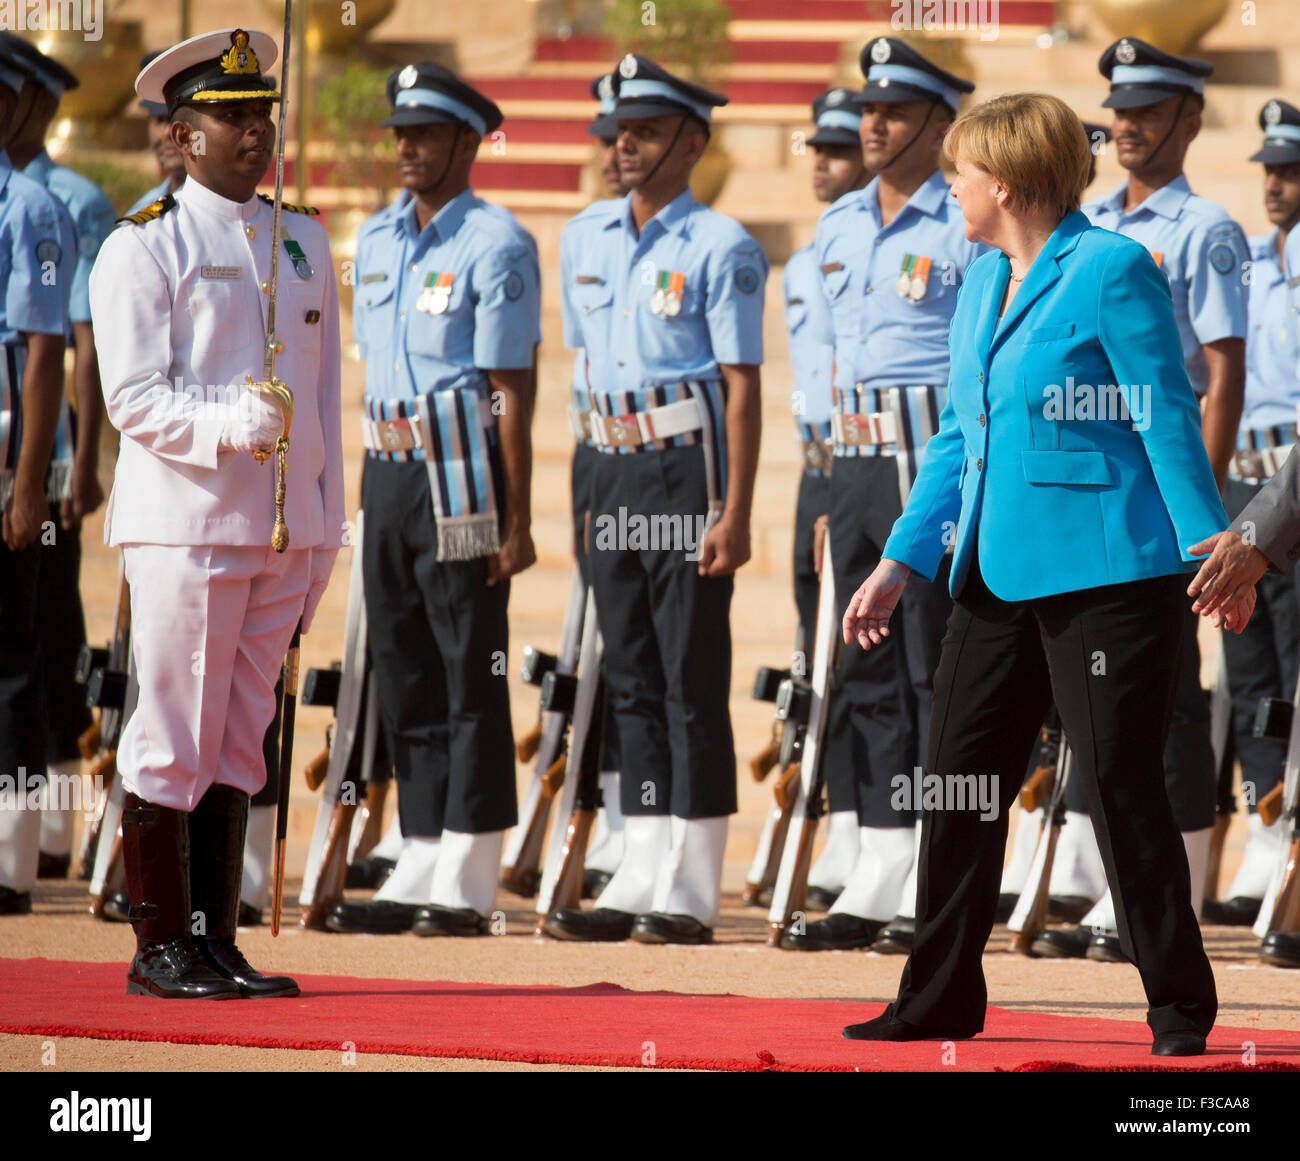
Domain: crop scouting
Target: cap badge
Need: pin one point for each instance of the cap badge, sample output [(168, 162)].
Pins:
[(835, 97), (407, 77), (1125, 53), (1272, 113), (605, 88), (240, 58), (880, 51), (627, 67)]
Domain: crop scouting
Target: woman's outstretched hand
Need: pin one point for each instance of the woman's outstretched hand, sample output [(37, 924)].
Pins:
[(867, 617)]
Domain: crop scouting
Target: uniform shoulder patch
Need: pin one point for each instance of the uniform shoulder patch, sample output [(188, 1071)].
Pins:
[(49, 250), (151, 212), (1221, 257), (290, 208), (747, 279), (514, 285)]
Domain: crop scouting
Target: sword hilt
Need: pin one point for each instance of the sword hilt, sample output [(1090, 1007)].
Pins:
[(279, 391)]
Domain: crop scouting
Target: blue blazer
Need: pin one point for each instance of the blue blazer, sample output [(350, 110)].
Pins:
[(1069, 455)]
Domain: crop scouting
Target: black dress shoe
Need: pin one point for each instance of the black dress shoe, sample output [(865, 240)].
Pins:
[(1062, 943), (600, 925), (249, 916), (377, 917), (838, 932), (370, 873), (15, 902), (1281, 949), (52, 866), (1184, 1042), (227, 960), (1105, 948), (435, 920), (1068, 908), (887, 1026), (658, 927), (1239, 911), (594, 882), (177, 970), (116, 908), (821, 898), (897, 937), (1006, 905)]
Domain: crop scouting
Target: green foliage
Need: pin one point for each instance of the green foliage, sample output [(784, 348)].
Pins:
[(347, 109), (687, 37), (122, 185)]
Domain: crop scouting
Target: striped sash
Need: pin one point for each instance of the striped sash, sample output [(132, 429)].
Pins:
[(916, 411), (13, 358), (711, 396), (1260, 452), (460, 459)]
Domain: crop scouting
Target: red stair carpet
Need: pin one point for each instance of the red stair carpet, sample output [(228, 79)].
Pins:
[(599, 1024)]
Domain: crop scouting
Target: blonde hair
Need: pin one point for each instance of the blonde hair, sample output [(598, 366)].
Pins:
[(1031, 143)]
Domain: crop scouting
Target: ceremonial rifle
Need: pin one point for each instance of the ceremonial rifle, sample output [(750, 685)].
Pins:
[(782, 752), (580, 797), (1221, 742), (1030, 914), (1280, 910), (522, 859), (791, 889)]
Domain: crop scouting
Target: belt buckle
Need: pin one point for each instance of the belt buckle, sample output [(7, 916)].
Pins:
[(852, 430), (396, 435), (621, 430), (815, 455)]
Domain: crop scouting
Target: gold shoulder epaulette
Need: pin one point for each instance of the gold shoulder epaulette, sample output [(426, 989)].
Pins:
[(312, 210), (151, 211)]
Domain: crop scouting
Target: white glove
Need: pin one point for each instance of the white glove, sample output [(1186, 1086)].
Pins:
[(322, 566), (255, 424)]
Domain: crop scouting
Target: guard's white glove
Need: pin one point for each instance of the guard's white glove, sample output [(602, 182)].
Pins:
[(254, 425), (322, 566)]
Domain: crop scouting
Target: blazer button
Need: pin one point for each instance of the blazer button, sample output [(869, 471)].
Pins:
[(981, 420), (981, 376), (979, 465)]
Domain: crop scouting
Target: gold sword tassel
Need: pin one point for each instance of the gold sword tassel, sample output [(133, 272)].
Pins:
[(280, 392)]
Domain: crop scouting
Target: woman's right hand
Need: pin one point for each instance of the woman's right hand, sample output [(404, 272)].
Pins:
[(867, 617)]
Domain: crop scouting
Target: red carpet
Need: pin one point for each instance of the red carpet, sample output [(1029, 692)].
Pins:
[(599, 1024)]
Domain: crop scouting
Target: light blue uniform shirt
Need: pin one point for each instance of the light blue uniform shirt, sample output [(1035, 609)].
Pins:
[(1202, 252), (614, 278), (1291, 268), (34, 232), (161, 190), (812, 344), (883, 338), (492, 316), (572, 241), (1272, 342), (92, 215)]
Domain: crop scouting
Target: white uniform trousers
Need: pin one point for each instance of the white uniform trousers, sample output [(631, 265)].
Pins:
[(209, 630)]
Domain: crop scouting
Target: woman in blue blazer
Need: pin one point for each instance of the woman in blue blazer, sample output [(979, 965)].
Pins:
[(1069, 478)]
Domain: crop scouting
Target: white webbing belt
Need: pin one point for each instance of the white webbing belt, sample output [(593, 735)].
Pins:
[(643, 427)]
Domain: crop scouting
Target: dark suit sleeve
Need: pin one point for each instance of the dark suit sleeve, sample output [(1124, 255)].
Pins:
[(1140, 337), (1271, 521)]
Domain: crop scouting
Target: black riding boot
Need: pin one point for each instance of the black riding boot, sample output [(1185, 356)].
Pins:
[(217, 829), (155, 853)]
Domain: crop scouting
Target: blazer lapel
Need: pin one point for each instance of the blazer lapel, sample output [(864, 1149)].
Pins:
[(1045, 271), (988, 316)]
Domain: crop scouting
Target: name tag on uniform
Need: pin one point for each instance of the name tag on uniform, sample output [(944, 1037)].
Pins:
[(588, 280), (367, 279), (227, 272), (832, 267)]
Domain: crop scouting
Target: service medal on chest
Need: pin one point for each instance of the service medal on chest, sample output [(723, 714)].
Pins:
[(920, 277)]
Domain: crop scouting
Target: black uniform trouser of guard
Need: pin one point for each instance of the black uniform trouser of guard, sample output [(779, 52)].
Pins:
[(813, 501), (269, 795), (438, 644), (888, 690), (1190, 777), (667, 634), (22, 700), (61, 625), (1262, 662), (584, 467), (1002, 664)]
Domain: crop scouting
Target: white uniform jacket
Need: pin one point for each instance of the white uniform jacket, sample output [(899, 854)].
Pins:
[(179, 309)]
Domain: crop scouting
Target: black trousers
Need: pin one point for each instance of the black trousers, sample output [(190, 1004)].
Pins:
[(1109, 656), (667, 637), (1262, 662), (814, 500), (438, 645), (61, 625), (887, 691), (22, 698), (584, 467)]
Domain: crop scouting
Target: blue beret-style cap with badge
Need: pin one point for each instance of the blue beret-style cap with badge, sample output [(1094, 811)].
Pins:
[(896, 72), (605, 124), (1141, 74), (837, 113), (214, 66), (14, 69), (1281, 124), (642, 89), (428, 94)]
